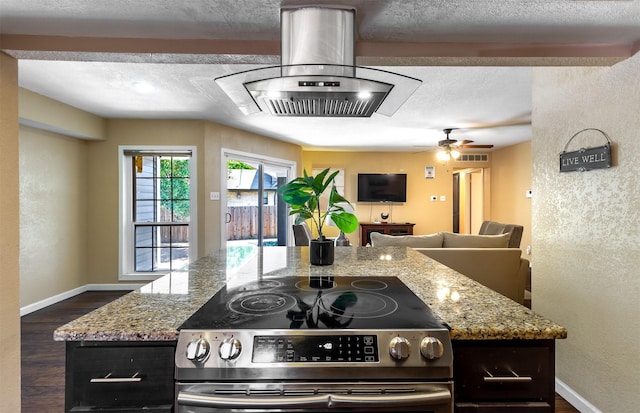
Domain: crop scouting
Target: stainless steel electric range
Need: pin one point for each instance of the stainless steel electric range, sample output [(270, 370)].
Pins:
[(314, 344)]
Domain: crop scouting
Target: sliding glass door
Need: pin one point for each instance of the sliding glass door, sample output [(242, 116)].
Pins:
[(253, 213)]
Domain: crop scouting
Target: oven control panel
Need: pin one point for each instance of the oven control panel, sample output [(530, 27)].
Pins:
[(315, 348), (276, 353)]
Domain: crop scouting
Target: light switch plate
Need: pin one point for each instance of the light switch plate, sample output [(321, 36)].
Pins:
[(214, 196)]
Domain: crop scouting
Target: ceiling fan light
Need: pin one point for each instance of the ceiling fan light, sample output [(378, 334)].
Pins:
[(443, 155), (455, 154)]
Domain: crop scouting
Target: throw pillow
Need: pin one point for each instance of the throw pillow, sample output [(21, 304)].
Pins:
[(453, 240), (413, 241)]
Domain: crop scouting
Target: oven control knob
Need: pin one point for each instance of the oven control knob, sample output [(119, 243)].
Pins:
[(198, 350), (229, 348), (399, 348), (431, 348)]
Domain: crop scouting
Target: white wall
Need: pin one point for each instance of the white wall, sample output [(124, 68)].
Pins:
[(586, 229)]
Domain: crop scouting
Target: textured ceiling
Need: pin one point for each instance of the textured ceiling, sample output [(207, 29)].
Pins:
[(157, 59)]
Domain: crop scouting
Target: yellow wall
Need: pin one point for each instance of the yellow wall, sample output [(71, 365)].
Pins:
[(429, 216), (9, 237), (510, 179), (53, 214), (586, 229)]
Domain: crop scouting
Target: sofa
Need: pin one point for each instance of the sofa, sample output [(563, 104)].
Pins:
[(487, 259), (496, 228)]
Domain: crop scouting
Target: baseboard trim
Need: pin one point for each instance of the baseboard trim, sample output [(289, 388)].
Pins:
[(39, 305), (574, 398), (114, 287)]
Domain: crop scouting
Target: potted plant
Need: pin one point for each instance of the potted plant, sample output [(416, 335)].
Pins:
[(303, 194)]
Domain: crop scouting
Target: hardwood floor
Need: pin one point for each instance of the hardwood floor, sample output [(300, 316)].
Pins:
[(43, 358), (562, 406)]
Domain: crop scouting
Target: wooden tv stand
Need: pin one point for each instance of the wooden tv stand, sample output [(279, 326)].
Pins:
[(366, 228)]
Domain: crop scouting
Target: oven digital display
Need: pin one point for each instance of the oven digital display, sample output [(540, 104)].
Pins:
[(315, 349)]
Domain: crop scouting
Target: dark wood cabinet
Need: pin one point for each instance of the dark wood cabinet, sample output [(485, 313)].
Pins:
[(516, 376), (366, 228), (119, 376)]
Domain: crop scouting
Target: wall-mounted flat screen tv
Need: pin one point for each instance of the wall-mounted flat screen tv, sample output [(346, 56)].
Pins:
[(382, 187)]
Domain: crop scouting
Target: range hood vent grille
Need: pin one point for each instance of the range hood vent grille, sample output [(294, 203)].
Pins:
[(336, 104)]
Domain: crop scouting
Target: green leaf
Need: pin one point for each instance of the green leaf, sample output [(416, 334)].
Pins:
[(296, 198), (302, 216), (312, 203), (335, 197), (346, 221), (318, 184)]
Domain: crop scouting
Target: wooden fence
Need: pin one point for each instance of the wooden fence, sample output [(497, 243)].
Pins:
[(177, 234), (242, 222)]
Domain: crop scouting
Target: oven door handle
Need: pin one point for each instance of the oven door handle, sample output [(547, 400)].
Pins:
[(376, 400), (320, 400), (251, 402)]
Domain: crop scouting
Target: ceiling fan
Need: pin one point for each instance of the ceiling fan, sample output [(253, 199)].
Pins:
[(448, 148)]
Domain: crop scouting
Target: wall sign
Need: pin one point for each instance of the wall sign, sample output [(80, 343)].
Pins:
[(430, 172), (586, 159)]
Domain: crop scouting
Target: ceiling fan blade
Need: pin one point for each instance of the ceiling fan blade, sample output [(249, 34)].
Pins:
[(476, 146), (462, 142)]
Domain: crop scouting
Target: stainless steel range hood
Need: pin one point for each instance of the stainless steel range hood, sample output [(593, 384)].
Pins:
[(318, 75)]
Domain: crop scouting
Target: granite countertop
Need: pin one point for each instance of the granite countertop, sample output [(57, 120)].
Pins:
[(155, 311)]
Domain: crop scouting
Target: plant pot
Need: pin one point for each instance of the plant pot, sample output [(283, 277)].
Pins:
[(321, 252)]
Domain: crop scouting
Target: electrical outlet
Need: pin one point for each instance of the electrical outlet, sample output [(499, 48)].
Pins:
[(443, 198)]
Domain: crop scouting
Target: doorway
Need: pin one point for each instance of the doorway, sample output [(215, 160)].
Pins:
[(253, 214), (468, 200)]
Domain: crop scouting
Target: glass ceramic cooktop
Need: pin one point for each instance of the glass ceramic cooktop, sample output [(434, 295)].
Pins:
[(315, 303)]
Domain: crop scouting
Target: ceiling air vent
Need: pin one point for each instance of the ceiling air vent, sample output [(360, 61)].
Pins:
[(473, 157)]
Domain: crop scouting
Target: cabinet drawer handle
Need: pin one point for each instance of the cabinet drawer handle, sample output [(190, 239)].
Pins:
[(109, 379), (507, 379)]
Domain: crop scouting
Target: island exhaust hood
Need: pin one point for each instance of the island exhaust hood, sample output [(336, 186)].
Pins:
[(318, 75)]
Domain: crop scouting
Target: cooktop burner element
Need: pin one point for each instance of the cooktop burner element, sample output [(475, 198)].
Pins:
[(368, 284), (364, 304), (262, 303), (261, 285)]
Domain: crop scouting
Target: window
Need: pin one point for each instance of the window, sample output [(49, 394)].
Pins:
[(157, 211)]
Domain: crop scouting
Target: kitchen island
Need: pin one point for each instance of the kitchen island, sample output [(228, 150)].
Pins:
[(482, 322)]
